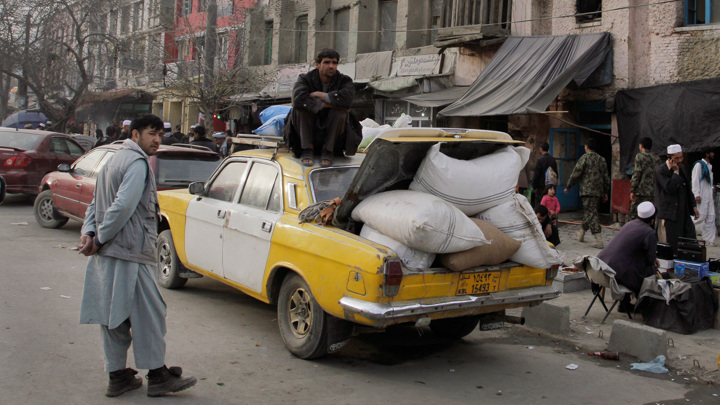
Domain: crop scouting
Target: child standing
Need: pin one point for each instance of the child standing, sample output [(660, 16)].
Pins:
[(551, 203)]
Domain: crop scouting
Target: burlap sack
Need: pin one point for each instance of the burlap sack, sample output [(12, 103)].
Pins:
[(501, 248)]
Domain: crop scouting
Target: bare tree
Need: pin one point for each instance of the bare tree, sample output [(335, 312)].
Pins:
[(50, 50)]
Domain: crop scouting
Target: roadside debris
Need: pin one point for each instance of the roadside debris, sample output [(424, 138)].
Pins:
[(606, 355), (45, 288), (571, 366), (19, 223), (657, 365)]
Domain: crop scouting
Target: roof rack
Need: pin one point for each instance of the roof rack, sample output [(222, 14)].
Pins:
[(258, 140), (189, 146)]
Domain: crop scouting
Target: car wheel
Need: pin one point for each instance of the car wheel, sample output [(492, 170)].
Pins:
[(45, 212), (454, 328), (168, 267), (302, 323)]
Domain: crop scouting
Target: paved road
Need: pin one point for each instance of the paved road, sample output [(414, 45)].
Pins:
[(231, 343)]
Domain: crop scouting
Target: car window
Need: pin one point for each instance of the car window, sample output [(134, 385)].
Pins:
[(327, 184), (260, 186), (59, 146), (75, 149), (227, 181), (180, 169), (104, 161), (19, 140), (85, 165)]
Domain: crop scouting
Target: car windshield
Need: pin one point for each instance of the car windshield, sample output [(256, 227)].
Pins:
[(19, 140), (175, 170), (329, 183)]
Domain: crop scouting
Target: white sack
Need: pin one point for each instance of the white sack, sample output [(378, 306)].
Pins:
[(517, 219), (413, 258), (420, 221), (369, 122), (471, 185)]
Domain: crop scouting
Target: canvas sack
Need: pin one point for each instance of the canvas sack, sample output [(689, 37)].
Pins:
[(501, 248), (516, 218), (420, 221), (473, 185), (412, 258)]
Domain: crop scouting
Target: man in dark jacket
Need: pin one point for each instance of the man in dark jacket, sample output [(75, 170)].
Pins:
[(201, 140), (541, 165), (321, 105), (110, 137), (631, 253), (674, 199)]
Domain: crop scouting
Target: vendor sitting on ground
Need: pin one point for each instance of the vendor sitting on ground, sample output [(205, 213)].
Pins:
[(321, 103), (631, 253), (549, 229)]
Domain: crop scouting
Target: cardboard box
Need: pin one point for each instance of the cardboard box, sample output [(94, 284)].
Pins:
[(698, 270), (666, 265)]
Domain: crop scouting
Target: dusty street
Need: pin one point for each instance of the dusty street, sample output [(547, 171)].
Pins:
[(231, 343)]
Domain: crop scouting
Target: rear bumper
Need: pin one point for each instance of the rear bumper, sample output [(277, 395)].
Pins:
[(384, 312)]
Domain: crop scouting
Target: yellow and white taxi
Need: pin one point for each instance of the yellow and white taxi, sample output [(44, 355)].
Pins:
[(242, 228)]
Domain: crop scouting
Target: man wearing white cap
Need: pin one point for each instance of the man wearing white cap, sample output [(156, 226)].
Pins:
[(702, 187), (674, 199), (220, 139), (190, 136), (631, 253), (168, 138), (125, 133)]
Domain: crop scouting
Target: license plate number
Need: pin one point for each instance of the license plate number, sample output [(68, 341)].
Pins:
[(478, 283)]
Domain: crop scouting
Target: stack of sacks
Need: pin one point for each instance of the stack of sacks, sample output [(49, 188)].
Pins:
[(485, 187), (419, 224), (516, 218), (273, 120)]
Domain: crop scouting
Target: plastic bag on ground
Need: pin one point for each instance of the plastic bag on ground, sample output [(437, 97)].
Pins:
[(657, 365)]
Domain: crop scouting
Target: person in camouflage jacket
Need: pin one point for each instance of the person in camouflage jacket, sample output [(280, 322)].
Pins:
[(642, 185), (592, 174)]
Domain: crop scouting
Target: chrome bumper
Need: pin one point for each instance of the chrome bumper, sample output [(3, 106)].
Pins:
[(386, 311)]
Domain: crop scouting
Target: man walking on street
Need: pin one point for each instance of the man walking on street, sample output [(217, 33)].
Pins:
[(674, 200), (591, 172), (120, 294), (543, 163), (702, 187), (642, 184)]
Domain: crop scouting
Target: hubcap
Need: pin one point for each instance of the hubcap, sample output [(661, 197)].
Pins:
[(300, 313), (164, 260), (46, 210)]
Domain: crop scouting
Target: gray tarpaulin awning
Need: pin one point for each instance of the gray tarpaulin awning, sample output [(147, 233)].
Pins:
[(438, 98), (527, 73)]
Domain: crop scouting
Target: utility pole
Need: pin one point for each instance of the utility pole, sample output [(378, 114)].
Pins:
[(22, 86), (210, 53)]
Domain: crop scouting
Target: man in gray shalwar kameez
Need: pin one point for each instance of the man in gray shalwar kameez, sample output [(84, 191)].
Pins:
[(119, 235)]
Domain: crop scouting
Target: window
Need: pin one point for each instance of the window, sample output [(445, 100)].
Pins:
[(267, 53), (112, 28), (301, 31), (327, 184), (437, 17), (225, 8), (342, 31), (125, 20), (421, 116), (458, 13), (137, 16), (260, 188), (699, 12), (388, 16), (85, 166), (175, 170), (226, 183), (223, 50), (186, 8), (588, 10), (202, 5)]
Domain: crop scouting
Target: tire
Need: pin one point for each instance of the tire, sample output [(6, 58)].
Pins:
[(302, 322), (169, 266), (45, 213), (454, 328)]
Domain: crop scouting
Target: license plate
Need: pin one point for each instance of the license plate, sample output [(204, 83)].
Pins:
[(478, 283)]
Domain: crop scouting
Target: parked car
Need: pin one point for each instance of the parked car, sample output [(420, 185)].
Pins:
[(242, 228), (67, 192), (28, 155)]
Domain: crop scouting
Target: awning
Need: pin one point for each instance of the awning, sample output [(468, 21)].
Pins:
[(438, 98), (527, 73), (685, 113)]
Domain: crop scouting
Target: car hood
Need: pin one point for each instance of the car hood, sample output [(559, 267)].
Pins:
[(394, 157)]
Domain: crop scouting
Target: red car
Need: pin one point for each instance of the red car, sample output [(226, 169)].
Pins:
[(28, 155), (68, 192)]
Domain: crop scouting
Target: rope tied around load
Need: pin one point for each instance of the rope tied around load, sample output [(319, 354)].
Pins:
[(322, 211)]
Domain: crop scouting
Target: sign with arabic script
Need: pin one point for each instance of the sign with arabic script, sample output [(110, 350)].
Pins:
[(419, 65)]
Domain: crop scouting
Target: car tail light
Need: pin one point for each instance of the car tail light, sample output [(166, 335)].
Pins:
[(392, 277), (18, 161)]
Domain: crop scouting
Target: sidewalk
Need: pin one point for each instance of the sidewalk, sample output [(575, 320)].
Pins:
[(685, 351)]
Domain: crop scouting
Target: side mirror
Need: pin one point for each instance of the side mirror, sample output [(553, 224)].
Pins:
[(64, 167), (197, 188)]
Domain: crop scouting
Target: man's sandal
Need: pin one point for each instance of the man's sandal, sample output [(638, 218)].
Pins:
[(307, 157), (325, 159)]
